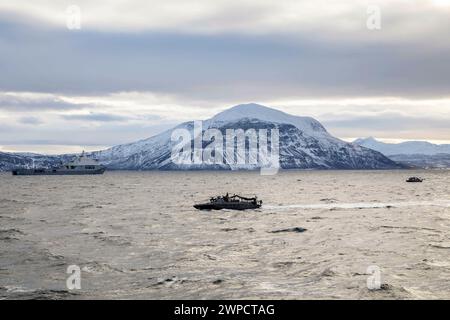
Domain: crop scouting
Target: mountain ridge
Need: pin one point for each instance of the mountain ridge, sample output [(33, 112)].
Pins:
[(419, 154), (407, 147)]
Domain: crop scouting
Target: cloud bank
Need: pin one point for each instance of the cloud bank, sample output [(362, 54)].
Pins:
[(136, 67)]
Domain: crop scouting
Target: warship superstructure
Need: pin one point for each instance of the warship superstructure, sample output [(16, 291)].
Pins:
[(80, 166)]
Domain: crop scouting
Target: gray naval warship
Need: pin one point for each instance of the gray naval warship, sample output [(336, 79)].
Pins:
[(234, 202), (79, 166)]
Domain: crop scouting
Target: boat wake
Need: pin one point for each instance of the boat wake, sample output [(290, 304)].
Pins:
[(363, 205)]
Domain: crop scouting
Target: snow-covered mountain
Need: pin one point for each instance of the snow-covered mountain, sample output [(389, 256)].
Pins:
[(411, 153), (437, 161), (255, 111), (408, 147), (9, 161), (303, 143)]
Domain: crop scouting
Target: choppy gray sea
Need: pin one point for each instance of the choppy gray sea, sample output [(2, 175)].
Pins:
[(136, 235)]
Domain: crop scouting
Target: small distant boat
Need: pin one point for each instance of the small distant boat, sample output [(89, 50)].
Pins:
[(80, 166), (234, 202), (414, 179)]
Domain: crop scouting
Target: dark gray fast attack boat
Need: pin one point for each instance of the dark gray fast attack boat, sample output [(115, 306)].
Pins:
[(414, 179), (234, 202)]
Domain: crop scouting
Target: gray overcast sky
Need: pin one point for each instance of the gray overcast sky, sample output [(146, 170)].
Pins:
[(138, 67)]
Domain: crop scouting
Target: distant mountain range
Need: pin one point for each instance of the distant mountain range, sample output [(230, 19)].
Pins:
[(9, 161), (412, 153), (408, 147), (303, 144)]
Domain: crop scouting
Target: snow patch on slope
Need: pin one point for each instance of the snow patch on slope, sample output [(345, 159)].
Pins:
[(257, 111)]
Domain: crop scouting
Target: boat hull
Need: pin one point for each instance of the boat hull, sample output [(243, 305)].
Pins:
[(55, 172), (229, 206)]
